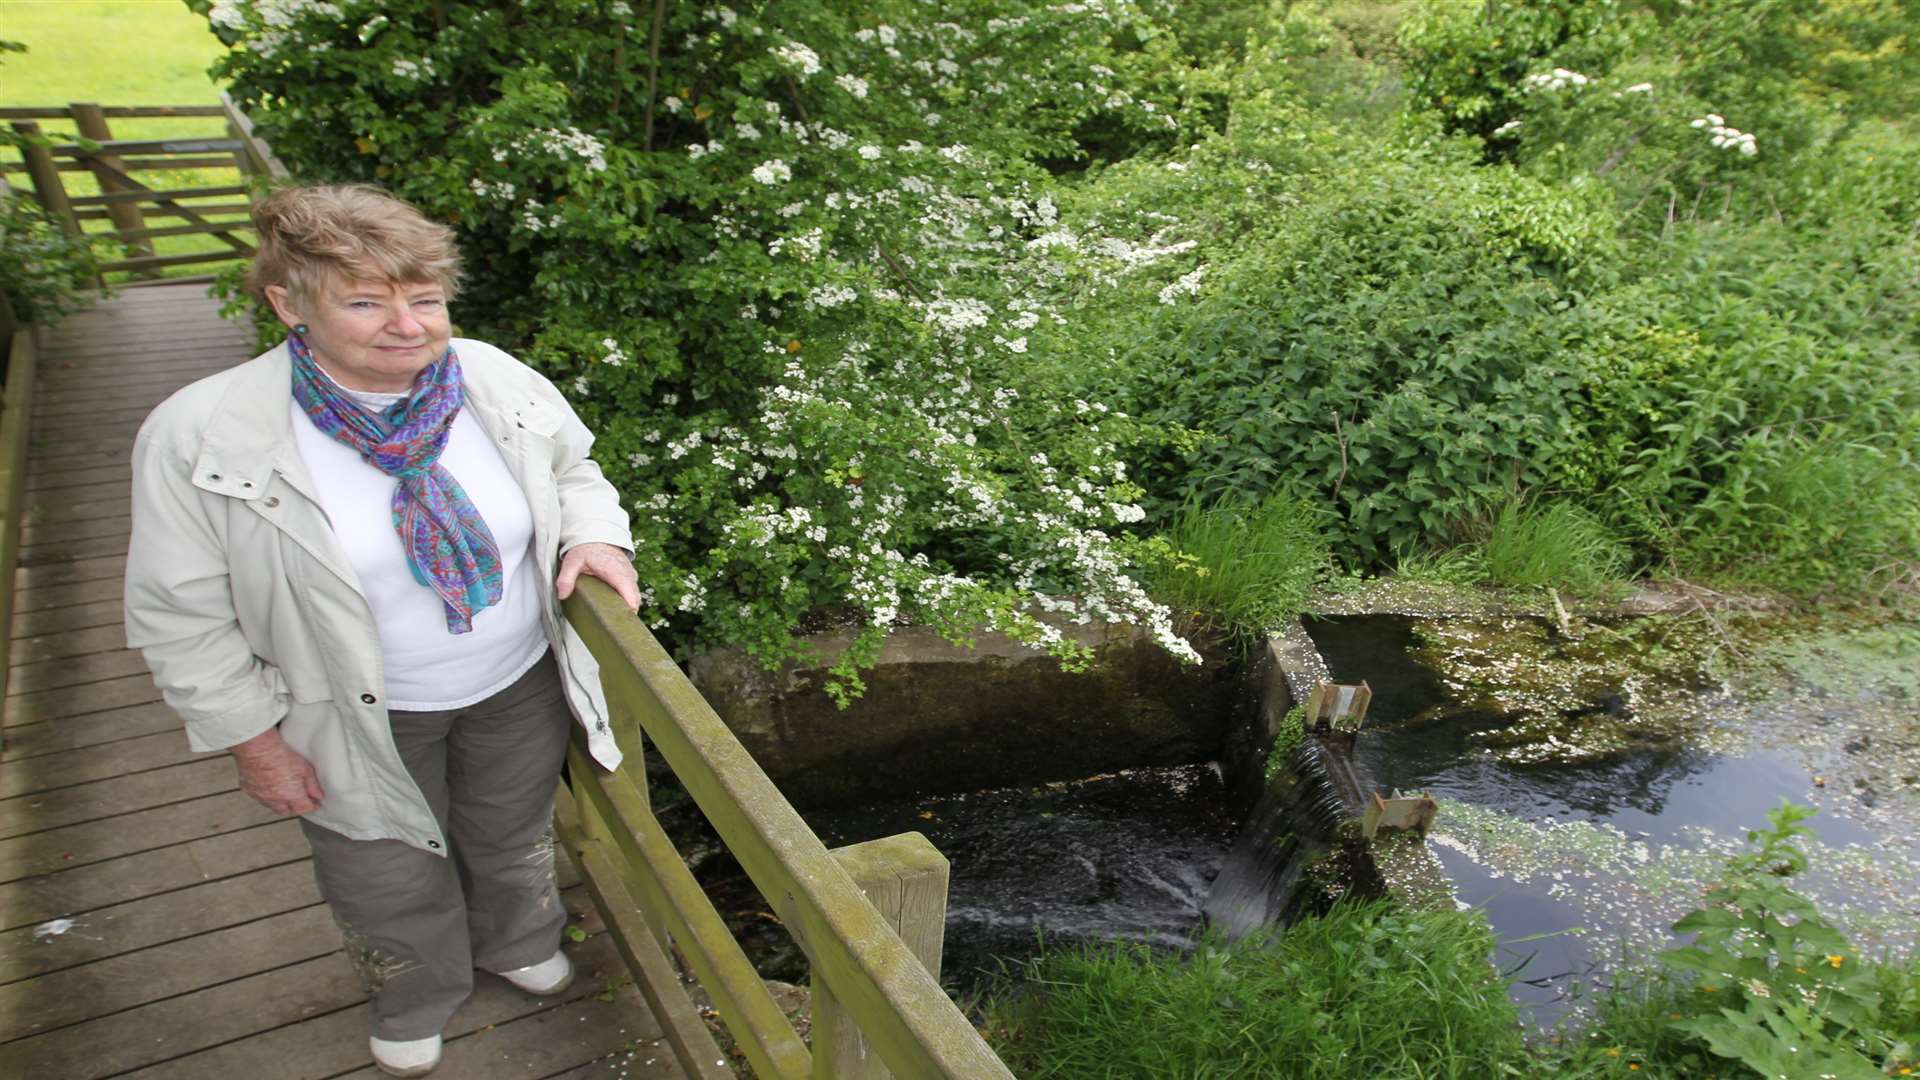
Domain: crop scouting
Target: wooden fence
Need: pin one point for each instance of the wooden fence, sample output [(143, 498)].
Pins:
[(125, 201), (868, 917)]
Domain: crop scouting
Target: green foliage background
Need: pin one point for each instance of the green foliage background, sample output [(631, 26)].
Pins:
[(944, 313)]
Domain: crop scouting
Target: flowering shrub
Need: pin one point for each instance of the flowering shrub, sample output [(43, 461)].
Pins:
[(787, 260)]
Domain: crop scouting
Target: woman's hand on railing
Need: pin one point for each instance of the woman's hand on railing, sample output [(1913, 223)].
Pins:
[(276, 775), (606, 562)]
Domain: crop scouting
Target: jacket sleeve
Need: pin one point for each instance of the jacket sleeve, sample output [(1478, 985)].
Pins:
[(180, 611), (590, 510)]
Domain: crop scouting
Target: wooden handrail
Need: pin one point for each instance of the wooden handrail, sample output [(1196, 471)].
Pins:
[(874, 977), (17, 345)]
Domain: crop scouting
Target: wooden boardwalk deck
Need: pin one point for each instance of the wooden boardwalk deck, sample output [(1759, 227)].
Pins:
[(154, 922)]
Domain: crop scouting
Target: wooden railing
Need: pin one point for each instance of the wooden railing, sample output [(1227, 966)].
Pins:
[(868, 917), (237, 156), (17, 360)]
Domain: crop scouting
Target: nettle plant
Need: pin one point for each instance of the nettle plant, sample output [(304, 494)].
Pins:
[(1776, 987), (789, 261)]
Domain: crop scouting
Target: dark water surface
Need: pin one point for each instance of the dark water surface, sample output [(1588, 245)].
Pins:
[(1582, 863), (1127, 856)]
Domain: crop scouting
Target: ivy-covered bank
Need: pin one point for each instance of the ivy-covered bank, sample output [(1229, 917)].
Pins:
[(945, 312)]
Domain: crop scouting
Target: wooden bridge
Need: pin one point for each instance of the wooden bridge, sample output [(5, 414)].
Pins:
[(156, 923)]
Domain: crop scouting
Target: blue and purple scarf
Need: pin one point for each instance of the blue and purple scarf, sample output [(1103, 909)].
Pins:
[(449, 547)]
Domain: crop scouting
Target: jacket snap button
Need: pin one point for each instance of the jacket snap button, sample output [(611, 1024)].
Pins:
[(368, 698), (273, 500), (213, 476), (246, 483), (434, 844)]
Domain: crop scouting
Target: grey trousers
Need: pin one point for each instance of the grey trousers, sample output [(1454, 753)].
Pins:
[(416, 924)]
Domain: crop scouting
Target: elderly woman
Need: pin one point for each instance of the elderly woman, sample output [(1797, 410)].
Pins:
[(346, 567)]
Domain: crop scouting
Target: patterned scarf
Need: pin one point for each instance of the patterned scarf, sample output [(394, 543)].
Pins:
[(449, 547)]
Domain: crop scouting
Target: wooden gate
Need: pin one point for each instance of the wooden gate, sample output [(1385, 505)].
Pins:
[(234, 156)]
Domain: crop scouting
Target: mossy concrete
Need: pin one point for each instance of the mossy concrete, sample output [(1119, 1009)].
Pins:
[(937, 718)]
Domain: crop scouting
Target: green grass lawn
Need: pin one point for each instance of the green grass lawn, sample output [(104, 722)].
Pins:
[(118, 52)]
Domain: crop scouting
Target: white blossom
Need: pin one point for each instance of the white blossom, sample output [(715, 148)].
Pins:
[(798, 57)]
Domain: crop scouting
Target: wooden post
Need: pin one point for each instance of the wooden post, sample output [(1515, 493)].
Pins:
[(46, 177), (91, 122), (905, 877)]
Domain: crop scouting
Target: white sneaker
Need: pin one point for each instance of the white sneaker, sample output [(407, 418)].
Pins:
[(549, 976), (406, 1057)]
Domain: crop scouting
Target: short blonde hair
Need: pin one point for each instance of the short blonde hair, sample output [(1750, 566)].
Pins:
[(311, 233)]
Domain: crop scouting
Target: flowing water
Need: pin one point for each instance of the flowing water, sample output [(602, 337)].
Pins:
[(1127, 856)]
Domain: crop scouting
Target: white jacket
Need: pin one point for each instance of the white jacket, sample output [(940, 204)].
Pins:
[(246, 609)]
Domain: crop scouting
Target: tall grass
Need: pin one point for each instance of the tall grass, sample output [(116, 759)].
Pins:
[(1363, 992), (1246, 567), (1554, 545)]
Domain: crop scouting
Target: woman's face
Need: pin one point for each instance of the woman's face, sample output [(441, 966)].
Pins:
[(370, 335)]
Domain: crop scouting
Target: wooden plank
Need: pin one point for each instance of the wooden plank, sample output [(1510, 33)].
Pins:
[(56, 596), (112, 838), (548, 1041), (138, 164), (45, 533), (40, 577), (150, 873), (103, 147), (181, 1025), (328, 1043), (56, 507), (68, 617), (156, 383), (44, 479), (67, 550), (686, 1034), (95, 639), (106, 413), (110, 448), (27, 814), (69, 701), (155, 920), (68, 671), (241, 250), (98, 362), (125, 982), (49, 112), (170, 195), (22, 363), (93, 729), (99, 762), (109, 373), (94, 213)]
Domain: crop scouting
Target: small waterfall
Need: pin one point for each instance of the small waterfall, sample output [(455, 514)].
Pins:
[(1301, 819)]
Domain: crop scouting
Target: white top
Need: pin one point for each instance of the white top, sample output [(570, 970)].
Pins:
[(427, 666)]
